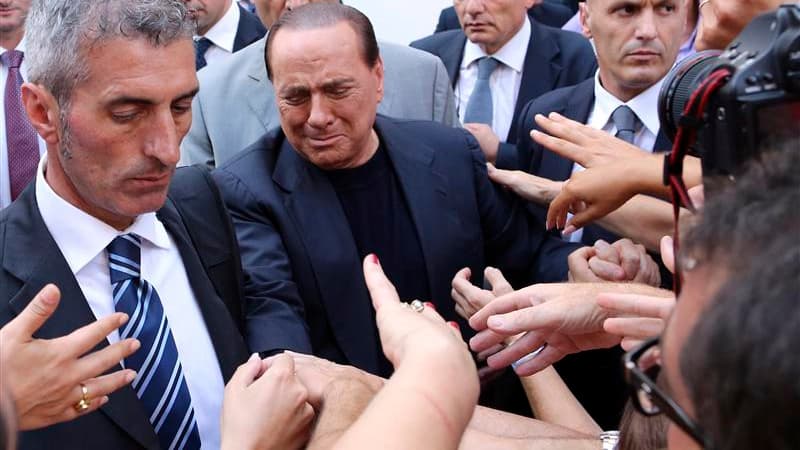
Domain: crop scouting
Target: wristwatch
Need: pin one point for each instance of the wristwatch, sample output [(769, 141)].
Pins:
[(610, 439)]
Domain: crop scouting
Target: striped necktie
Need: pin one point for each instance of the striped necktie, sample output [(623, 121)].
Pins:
[(159, 382)]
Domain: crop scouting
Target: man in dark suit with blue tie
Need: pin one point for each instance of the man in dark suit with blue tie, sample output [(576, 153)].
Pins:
[(547, 13), (98, 223), (499, 60), (223, 27)]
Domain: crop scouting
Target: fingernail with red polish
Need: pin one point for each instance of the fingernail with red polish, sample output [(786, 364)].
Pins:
[(454, 325), (430, 305), (374, 258)]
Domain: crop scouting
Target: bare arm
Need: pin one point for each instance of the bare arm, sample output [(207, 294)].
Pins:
[(343, 401), (553, 402)]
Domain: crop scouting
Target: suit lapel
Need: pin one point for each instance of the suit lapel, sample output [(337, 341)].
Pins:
[(539, 74), (425, 189), (248, 30), (315, 210), (663, 144), (221, 329), (451, 53), (263, 94), (579, 103), (43, 263)]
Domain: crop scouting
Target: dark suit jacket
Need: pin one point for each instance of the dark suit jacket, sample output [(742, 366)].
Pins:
[(550, 14), (29, 259), (296, 242), (250, 29), (554, 59), (576, 102)]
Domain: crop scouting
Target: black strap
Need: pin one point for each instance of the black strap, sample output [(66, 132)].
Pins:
[(210, 228)]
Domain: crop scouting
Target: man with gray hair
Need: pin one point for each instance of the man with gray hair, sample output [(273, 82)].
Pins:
[(110, 89)]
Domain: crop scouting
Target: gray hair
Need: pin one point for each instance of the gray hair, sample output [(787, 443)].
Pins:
[(59, 34)]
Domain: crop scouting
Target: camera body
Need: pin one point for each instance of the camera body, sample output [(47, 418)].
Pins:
[(758, 106)]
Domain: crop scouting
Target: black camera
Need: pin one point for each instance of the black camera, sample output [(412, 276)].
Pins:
[(755, 104)]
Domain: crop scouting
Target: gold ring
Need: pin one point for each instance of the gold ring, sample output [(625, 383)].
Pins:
[(83, 404), (417, 306)]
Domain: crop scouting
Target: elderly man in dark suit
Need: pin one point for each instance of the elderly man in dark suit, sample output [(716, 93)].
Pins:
[(97, 223), (547, 13), (500, 60), (223, 27)]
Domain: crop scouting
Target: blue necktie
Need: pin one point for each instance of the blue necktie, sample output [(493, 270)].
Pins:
[(200, 48), (626, 122), (479, 106), (159, 382)]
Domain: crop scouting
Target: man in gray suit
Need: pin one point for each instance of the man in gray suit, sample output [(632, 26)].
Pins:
[(236, 103)]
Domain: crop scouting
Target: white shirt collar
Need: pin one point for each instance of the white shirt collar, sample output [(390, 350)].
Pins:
[(511, 55), (645, 105), (80, 236), (223, 33)]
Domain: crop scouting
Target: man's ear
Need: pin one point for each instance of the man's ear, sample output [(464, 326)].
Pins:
[(378, 72), (43, 111), (583, 10)]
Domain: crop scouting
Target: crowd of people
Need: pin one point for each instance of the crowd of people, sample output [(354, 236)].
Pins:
[(461, 243)]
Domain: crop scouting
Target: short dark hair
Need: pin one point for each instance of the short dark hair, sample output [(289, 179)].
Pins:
[(741, 368), (321, 15), (738, 364)]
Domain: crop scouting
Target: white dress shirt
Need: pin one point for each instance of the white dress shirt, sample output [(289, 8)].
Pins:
[(83, 239), (5, 178), (644, 105), (222, 35), (504, 82)]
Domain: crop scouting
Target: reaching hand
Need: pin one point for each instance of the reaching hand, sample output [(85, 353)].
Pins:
[(265, 407), (44, 377), (404, 332), (470, 298), (635, 318), (530, 187), (581, 143)]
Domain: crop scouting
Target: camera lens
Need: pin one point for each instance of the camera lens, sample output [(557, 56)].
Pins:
[(678, 86)]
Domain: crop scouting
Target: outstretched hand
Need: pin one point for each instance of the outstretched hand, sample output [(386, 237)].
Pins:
[(49, 393)]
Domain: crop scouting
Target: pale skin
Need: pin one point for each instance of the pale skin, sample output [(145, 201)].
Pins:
[(12, 22), (49, 394), (722, 20)]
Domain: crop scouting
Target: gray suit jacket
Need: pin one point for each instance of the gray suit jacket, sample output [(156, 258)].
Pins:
[(236, 102)]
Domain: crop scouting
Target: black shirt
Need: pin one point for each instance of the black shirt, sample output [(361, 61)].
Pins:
[(381, 223)]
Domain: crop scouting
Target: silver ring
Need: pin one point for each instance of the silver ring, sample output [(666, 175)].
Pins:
[(703, 3), (529, 356), (417, 306)]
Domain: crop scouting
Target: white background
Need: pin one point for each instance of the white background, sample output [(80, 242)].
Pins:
[(401, 21)]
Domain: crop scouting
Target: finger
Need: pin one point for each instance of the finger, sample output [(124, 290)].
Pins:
[(629, 344), (500, 305), (481, 356), (70, 413), (634, 327), (636, 305), (40, 308), (95, 363), (381, 290), (606, 252), (668, 253), (105, 385), (500, 286), (471, 296), (697, 196), (485, 340), (546, 316), (557, 211), (546, 358), (578, 263), (246, 373), (521, 347), (605, 270), (592, 212), (87, 337), (500, 176), (630, 257)]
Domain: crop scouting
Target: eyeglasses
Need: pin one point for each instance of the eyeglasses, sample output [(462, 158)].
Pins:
[(641, 369)]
